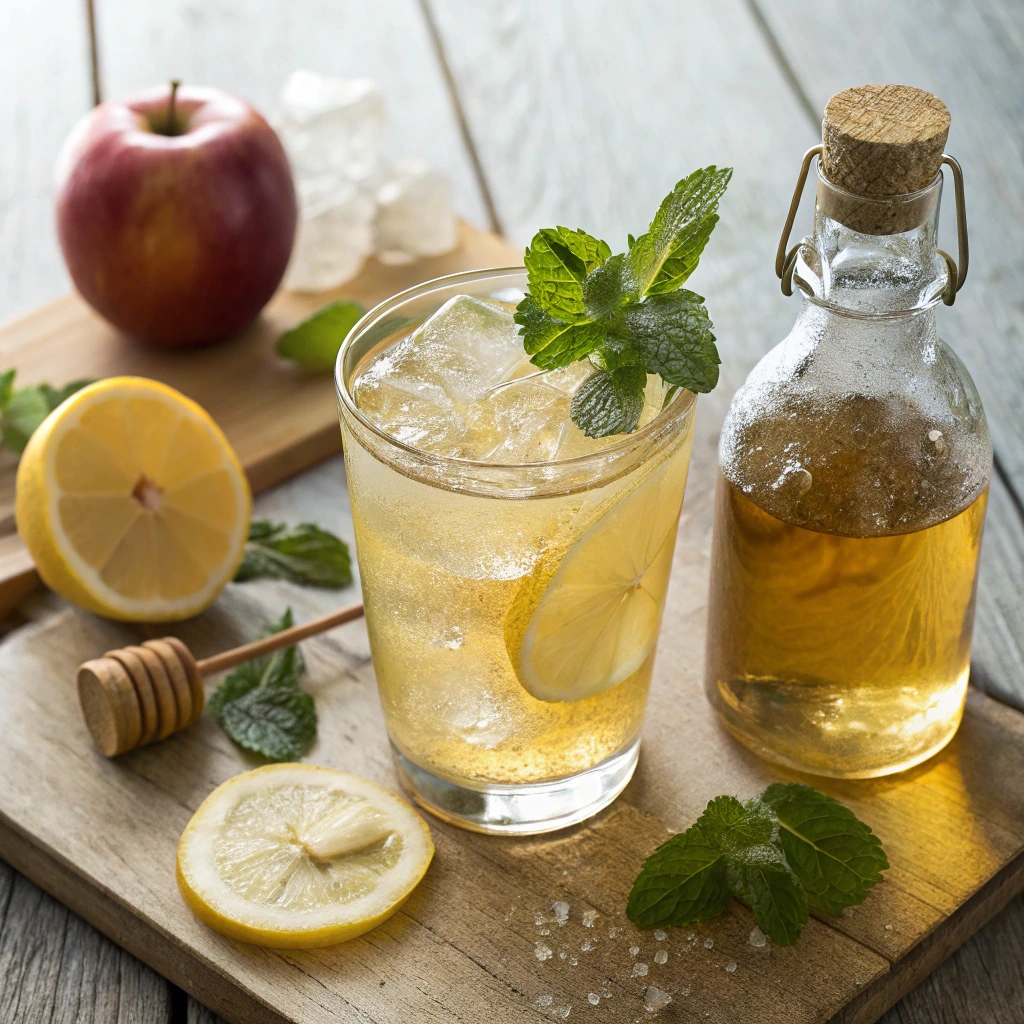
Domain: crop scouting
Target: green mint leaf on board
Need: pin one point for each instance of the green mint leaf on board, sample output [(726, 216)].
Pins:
[(673, 333), (315, 341), (610, 402), (761, 878), (277, 724), (681, 883), (558, 261), (663, 258), (304, 554), (24, 409), (836, 857), (553, 343), (789, 851), (261, 707)]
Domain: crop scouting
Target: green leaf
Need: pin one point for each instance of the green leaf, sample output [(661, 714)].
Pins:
[(614, 352), (836, 856), (6, 387), (732, 826), (610, 402), (315, 342), (681, 883), (25, 410), (760, 876), (673, 332), (552, 343), (663, 258), (558, 261), (603, 296), (304, 554), (55, 396), (276, 723), (280, 670)]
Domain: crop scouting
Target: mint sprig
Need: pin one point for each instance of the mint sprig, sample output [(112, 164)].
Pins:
[(315, 342), (262, 708), (626, 310), (789, 851), (305, 554), (22, 410)]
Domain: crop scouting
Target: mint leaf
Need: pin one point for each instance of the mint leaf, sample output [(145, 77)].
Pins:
[(760, 876), (25, 410), (276, 723), (315, 341), (663, 258), (681, 883), (261, 706), (614, 352), (836, 857), (22, 411), (732, 826), (6, 387), (557, 263), (552, 343), (610, 402), (673, 333), (603, 296), (304, 554)]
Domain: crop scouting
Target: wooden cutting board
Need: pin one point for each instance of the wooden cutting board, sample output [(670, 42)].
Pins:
[(280, 418), (101, 837)]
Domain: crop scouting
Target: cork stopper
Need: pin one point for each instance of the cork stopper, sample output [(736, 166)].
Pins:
[(882, 142)]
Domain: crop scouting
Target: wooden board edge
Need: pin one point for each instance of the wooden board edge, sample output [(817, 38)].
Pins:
[(131, 932), (942, 941)]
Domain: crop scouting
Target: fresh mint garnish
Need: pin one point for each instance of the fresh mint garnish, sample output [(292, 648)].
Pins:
[(626, 310), (261, 707), (22, 410), (789, 851), (304, 554), (315, 342)]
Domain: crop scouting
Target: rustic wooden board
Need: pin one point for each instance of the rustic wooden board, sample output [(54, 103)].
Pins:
[(101, 836), (279, 417)]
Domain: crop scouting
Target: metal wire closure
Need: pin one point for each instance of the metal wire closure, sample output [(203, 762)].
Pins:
[(785, 262), (957, 276)]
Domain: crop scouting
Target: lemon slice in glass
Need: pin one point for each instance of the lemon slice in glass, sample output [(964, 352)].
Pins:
[(296, 856), (584, 620), (132, 502)]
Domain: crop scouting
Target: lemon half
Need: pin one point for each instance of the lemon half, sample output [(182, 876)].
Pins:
[(132, 502), (295, 856), (584, 620)]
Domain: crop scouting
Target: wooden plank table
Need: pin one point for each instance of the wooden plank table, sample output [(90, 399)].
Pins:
[(580, 112)]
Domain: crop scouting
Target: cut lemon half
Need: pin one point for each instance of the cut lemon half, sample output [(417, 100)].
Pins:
[(295, 856), (586, 619), (132, 502)]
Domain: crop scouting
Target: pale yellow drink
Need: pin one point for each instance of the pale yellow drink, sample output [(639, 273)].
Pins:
[(513, 609)]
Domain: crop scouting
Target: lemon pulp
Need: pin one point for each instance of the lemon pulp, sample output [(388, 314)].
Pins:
[(132, 502), (298, 856), (585, 619)]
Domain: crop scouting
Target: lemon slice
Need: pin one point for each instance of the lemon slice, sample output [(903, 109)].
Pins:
[(295, 856), (132, 502), (585, 620)]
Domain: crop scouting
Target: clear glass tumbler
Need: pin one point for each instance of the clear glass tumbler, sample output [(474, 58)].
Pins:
[(472, 570)]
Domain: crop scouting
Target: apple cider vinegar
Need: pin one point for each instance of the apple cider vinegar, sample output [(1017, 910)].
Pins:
[(843, 655)]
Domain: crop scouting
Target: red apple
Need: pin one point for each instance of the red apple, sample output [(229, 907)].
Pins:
[(176, 213)]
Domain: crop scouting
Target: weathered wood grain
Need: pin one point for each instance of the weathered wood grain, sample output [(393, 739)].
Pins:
[(56, 969), (44, 79), (251, 49)]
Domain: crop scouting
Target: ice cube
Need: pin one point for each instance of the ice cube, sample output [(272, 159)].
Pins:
[(518, 422), (331, 125), (468, 347), (414, 212), (335, 234)]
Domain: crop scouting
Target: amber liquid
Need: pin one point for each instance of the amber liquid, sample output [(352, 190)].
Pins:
[(838, 655)]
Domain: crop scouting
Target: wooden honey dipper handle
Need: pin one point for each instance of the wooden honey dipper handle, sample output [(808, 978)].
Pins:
[(258, 648)]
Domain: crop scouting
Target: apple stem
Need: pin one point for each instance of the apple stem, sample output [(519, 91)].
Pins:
[(172, 125)]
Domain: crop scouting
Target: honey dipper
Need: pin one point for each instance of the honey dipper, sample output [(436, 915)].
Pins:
[(138, 694)]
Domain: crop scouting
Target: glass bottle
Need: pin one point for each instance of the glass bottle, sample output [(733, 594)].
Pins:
[(854, 470)]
